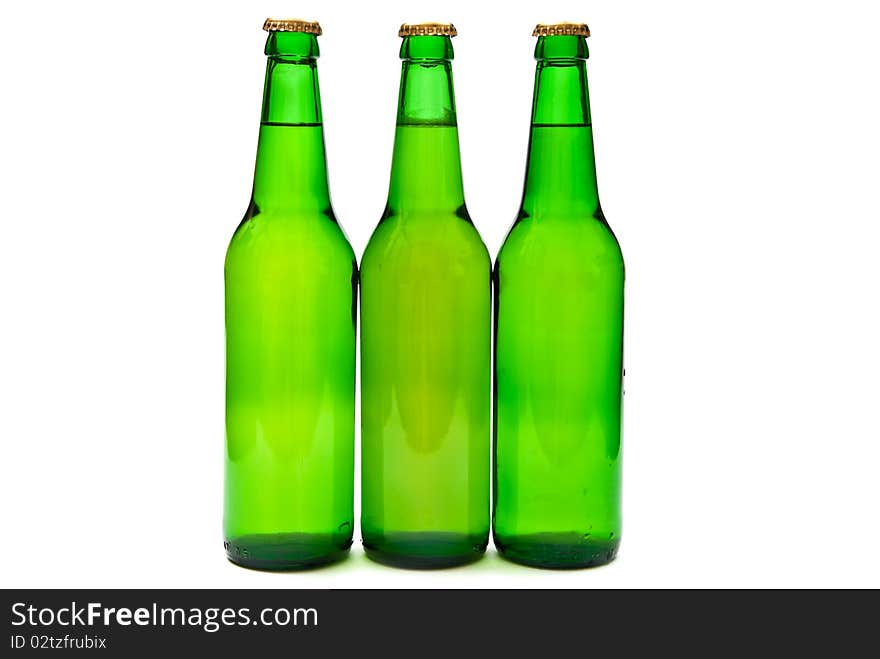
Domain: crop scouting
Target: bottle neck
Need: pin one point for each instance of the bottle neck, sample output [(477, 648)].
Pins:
[(426, 164), (561, 167), (291, 168)]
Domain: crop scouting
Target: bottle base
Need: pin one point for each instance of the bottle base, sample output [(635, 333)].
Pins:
[(425, 551), (559, 551), (286, 551)]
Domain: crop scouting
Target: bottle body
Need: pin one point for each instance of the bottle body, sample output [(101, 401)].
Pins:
[(291, 286), (559, 301), (559, 351), (425, 356), (425, 391)]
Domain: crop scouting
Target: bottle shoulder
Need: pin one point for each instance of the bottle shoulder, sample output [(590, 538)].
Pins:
[(561, 237), (291, 232), (441, 235)]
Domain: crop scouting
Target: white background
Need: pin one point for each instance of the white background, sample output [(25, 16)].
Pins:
[(738, 156)]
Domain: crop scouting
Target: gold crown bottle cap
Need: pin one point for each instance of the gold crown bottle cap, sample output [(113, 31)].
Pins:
[(561, 29), (427, 30), (292, 25)]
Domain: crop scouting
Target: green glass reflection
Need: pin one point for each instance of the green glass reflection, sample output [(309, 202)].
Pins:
[(559, 339), (291, 287), (425, 339)]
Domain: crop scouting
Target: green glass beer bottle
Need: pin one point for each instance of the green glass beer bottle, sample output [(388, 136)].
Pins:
[(425, 335), (291, 289), (559, 336)]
